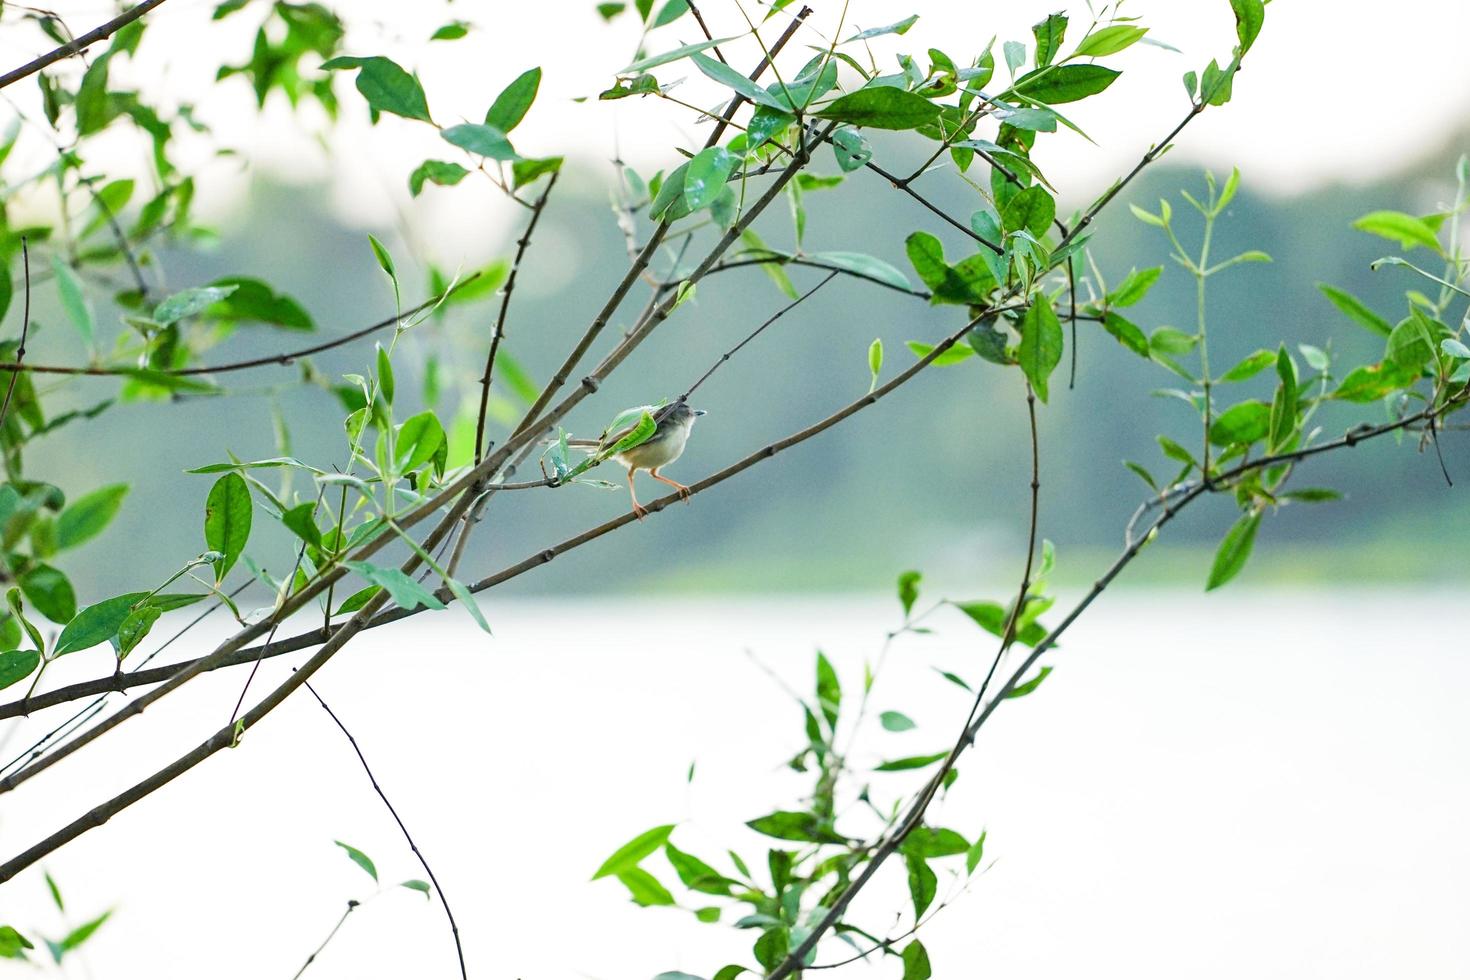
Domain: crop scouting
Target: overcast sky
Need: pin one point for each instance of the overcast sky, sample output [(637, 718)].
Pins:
[(1312, 105)]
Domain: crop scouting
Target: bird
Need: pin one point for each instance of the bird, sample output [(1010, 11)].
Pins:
[(673, 423)]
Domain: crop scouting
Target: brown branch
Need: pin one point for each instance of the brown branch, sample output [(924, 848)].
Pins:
[(25, 330), (781, 259), (505, 294), (473, 479), (915, 815), (288, 357), (76, 46), (649, 249), (453, 926), (977, 721)]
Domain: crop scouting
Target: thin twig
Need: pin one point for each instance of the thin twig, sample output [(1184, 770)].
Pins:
[(25, 329), (351, 905), (74, 47), (650, 248), (453, 927), (915, 814), (286, 358), (505, 294)]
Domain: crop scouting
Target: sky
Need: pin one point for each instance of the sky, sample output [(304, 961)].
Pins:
[(1310, 106)]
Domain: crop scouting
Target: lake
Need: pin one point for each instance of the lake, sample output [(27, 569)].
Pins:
[(1265, 784)]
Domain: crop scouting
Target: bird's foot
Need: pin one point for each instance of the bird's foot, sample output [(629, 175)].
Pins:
[(684, 492), (639, 511)]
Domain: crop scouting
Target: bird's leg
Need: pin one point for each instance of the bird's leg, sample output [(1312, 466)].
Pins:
[(683, 490), (638, 510)]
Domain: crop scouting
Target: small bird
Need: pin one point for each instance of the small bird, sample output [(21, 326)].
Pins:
[(659, 450)]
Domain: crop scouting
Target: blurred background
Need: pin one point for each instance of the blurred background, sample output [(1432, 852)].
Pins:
[(936, 476), (1265, 782)]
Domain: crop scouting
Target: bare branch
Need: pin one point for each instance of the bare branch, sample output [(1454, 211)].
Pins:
[(71, 48)]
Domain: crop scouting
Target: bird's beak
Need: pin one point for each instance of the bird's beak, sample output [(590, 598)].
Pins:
[(700, 411)]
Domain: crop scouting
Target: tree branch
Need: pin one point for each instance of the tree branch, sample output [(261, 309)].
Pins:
[(74, 47), (286, 358), (453, 926)]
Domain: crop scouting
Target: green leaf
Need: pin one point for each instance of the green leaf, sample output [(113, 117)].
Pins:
[(74, 299), (301, 520), (360, 859), (467, 598), (668, 204), (403, 590), (863, 265), (48, 590), (875, 361), (385, 260), (1049, 34), (189, 302), (252, 299), (883, 107), (704, 180), (418, 885), (386, 383), (910, 762), (1127, 333), (227, 514), (418, 441), (1109, 40), (626, 858), (645, 888), (1032, 210), (1234, 551), (485, 141), (1410, 345), (136, 627), (13, 944), (97, 623), (1135, 287), (772, 946), (87, 516), (975, 854), (17, 665), (897, 27), (1250, 366), (829, 691), (966, 284), (1066, 83), (934, 842), (436, 172), (1041, 345), (524, 171), (357, 600), (732, 79), (1241, 424), (670, 12), (908, 590), (78, 936), (850, 149), (512, 104), (1021, 690), (1249, 15), (794, 825), (386, 86), (695, 874), (1373, 381), (896, 721), (681, 52), (452, 31), (916, 962), (923, 884), (1407, 230)]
